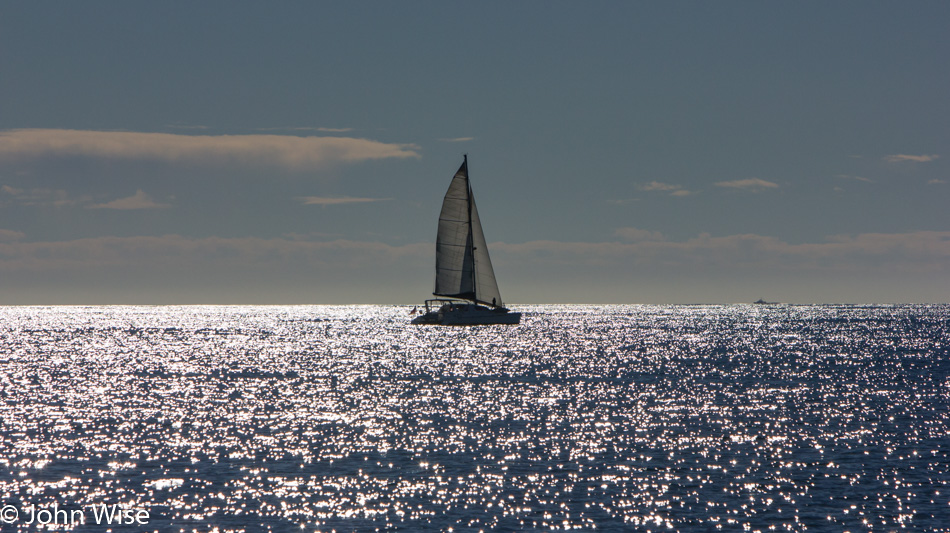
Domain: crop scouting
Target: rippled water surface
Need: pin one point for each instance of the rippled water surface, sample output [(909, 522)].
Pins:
[(620, 418)]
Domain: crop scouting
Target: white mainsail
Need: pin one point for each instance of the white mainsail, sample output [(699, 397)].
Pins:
[(462, 265)]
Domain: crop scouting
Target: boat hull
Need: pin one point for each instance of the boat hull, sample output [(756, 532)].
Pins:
[(467, 315)]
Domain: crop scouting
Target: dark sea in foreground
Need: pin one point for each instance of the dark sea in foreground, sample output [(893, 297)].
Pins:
[(346, 418)]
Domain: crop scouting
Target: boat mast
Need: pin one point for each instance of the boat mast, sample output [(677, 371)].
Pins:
[(471, 235)]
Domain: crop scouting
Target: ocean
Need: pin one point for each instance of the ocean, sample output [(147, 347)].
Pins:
[(346, 418)]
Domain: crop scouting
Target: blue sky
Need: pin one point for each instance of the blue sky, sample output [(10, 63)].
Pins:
[(678, 152)]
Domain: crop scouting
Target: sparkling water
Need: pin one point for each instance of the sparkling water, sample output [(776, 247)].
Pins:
[(346, 418)]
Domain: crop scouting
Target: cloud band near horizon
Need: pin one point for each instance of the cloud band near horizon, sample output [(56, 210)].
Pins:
[(924, 158), (914, 251), (324, 201), (292, 152), (175, 269)]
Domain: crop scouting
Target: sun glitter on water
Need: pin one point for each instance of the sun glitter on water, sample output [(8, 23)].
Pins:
[(786, 418)]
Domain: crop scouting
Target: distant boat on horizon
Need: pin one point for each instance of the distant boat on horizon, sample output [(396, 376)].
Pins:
[(464, 278)]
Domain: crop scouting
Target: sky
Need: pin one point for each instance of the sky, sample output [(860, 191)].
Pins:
[(620, 152)]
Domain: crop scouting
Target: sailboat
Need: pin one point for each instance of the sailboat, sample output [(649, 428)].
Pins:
[(464, 279)]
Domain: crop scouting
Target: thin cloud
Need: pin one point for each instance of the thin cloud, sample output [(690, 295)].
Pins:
[(658, 186), (322, 200), (139, 200), (297, 153), (913, 251), (43, 197), (748, 184), (922, 251), (936, 181), (61, 198), (176, 251), (898, 158), (458, 140), (9, 235)]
